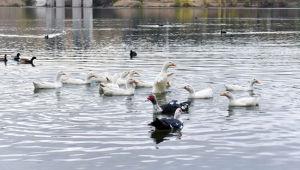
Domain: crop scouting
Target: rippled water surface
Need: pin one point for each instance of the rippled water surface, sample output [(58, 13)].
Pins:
[(76, 127)]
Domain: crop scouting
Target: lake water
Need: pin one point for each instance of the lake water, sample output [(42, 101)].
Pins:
[(76, 127)]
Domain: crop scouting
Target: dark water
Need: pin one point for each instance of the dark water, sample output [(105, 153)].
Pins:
[(76, 127)]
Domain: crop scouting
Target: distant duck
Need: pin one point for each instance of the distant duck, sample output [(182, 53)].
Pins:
[(196, 17), (48, 85), (4, 59), (242, 102), (223, 32), (17, 57), (132, 54), (168, 108), (27, 61), (47, 37), (159, 24), (233, 87), (203, 94), (168, 123)]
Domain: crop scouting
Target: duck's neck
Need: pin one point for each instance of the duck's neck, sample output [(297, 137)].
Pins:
[(165, 68), (57, 78), (230, 97), (129, 86), (88, 78), (191, 90), (115, 78), (177, 115), (32, 60), (251, 83), (156, 108)]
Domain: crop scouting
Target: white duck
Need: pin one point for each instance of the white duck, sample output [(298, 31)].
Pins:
[(161, 80), (121, 92), (87, 80), (122, 80), (233, 87), (247, 101), (203, 94), (113, 84), (47, 85)]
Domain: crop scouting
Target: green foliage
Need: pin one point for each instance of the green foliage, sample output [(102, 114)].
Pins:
[(205, 2), (138, 4), (247, 3), (187, 3), (28, 2), (233, 2), (178, 3)]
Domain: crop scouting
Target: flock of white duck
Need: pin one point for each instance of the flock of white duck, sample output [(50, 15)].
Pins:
[(110, 85)]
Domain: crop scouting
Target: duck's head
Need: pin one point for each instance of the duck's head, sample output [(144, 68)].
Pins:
[(92, 75), (177, 113), (33, 58), (227, 94), (170, 63), (132, 72), (124, 74), (255, 81), (188, 88), (152, 98), (61, 73), (130, 80)]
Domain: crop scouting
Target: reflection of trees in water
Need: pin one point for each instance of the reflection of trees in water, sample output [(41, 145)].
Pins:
[(159, 136)]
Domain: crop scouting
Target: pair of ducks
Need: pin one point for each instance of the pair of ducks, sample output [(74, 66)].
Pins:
[(20, 60), (59, 81)]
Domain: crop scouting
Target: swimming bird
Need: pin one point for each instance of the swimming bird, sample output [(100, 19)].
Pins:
[(247, 101), (121, 80), (168, 108), (119, 91), (232, 87), (113, 84), (168, 123), (132, 54), (17, 57), (47, 37), (223, 32), (48, 85), (27, 61), (159, 24), (161, 80), (4, 59), (203, 94), (87, 80)]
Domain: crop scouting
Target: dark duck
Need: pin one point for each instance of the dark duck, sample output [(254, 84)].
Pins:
[(4, 59), (27, 61), (132, 54), (168, 108), (17, 57), (168, 123)]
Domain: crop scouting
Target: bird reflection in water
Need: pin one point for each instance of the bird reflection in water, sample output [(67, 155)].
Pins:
[(159, 136)]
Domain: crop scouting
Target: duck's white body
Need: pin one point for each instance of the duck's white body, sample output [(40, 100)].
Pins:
[(101, 78), (67, 80), (161, 80), (122, 80), (113, 84), (48, 85), (233, 87), (121, 92), (247, 101), (203, 94)]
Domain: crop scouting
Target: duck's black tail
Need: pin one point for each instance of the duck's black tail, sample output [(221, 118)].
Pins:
[(158, 124)]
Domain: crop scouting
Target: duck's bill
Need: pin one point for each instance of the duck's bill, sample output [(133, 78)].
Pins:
[(173, 64), (223, 94), (183, 87)]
